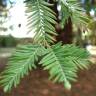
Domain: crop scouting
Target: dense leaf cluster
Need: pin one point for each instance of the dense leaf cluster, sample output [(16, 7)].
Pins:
[(62, 61)]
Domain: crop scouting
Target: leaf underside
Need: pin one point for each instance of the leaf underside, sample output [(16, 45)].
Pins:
[(41, 21)]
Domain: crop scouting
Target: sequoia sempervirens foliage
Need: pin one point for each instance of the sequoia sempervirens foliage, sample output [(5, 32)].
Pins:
[(61, 61)]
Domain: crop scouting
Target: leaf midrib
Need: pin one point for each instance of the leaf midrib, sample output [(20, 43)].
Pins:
[(58, 63), (16, 74)]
